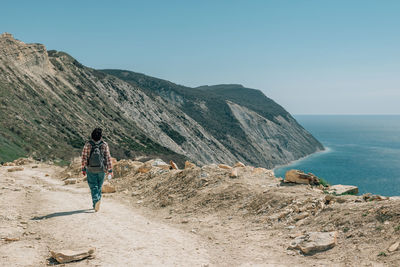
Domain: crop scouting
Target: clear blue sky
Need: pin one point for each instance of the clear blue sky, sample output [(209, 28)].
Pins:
[(311, 56)]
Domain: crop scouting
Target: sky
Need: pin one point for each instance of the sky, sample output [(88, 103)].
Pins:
[(310, 56)]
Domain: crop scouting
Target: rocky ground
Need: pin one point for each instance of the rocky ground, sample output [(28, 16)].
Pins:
[(213, 215)]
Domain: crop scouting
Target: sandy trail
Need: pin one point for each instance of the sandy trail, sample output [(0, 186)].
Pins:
[(44, 214)]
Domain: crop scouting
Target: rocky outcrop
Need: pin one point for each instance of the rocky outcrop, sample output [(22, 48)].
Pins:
[(299, 177)]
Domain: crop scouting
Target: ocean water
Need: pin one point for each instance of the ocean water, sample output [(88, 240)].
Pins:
[(361, 150)]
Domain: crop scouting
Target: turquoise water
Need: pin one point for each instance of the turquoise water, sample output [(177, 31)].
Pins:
[(361, 150)]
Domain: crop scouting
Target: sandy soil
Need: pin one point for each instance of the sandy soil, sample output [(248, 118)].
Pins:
[(44, 214)]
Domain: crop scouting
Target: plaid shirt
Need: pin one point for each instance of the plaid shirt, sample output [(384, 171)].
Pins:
[(86, 155)]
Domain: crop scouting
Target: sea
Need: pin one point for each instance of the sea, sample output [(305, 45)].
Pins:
[(361, 150)]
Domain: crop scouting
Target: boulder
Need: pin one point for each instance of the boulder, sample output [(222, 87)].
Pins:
[(224, 166), (299, 177), (70, 181), (173, 165), (108, 188), (64, 256), (9, 164), (394, 247), (189, 165), (239, 164), (339, 189), (15, 169), (314, 242)]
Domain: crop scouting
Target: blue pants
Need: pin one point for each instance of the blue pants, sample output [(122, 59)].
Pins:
[(95, 181)]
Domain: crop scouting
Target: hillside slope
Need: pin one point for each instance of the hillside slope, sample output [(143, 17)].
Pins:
[(254, 128), (50, 103)]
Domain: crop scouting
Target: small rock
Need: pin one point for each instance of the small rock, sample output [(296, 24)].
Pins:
[(64, 256), (47, 175), (35, 166), (70, 181), (184, 221), (234, 173), (144, 169), (15, 169), (315, 242), (173, 165), (301, 216), (260, 171), (239, 165), (189, 165), (394, 247), (107, 188), (160, 164), (11, 239), (224, 166)]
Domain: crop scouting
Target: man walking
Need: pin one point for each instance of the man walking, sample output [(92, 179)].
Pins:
[(96, 161)]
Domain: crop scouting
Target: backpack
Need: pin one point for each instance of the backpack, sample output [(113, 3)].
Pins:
[(96, 158)]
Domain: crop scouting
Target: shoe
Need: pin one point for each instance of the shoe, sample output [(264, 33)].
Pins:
[(97, 206)]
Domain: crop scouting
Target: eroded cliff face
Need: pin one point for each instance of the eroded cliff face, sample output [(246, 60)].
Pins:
[(50, 103), (274, 143)]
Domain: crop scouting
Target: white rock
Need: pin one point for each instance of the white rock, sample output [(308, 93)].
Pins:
[(314, 242), (64, 256), (339, 189), (394, 247)]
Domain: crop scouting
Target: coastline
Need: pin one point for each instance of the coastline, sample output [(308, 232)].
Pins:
[(315, 154)]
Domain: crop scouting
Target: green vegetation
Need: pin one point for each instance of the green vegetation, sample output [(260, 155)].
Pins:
[(397, 228), (382, 254), (61, 162), (174, 135), (10, 151), (323, 182)]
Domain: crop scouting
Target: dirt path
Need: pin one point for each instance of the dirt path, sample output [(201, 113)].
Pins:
[(44, 215)]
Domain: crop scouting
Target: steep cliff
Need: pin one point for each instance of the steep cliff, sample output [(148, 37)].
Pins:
[(251, 126), (50, 103)]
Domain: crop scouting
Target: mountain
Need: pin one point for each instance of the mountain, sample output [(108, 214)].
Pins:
[(50, 103)]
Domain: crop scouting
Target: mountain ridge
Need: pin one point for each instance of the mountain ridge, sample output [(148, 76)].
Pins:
[(50, 103)]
